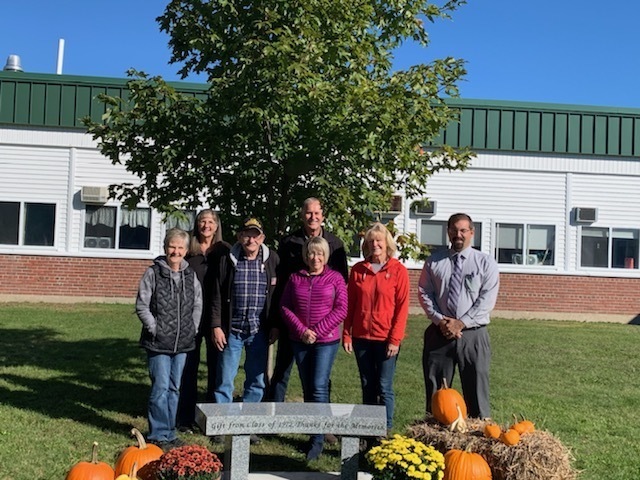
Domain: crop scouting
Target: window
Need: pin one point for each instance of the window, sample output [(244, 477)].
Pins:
[(133, 232), (598, 251), (524, 244), (29, 224), (434, 234)]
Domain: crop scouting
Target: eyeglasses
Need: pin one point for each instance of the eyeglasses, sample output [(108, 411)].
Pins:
[(462, 231)]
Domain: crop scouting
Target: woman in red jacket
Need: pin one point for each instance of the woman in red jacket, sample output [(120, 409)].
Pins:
[(313, 306), (377, 314)]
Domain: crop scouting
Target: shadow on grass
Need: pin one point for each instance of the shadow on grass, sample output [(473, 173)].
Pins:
[(89, 381)]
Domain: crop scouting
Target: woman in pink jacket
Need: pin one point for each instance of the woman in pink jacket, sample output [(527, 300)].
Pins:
[(313, 305), (377, 317)]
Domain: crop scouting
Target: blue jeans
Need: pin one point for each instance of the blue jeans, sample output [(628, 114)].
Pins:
[(165, 371), (255, 362), (376, 374), (314, 365)]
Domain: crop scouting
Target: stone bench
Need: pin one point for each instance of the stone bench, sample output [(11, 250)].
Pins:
[(240, 420)]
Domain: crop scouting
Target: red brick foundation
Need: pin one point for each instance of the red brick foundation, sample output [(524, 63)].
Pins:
[(118, 278)]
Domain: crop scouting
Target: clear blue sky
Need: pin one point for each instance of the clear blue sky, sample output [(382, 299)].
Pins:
[(559, 51)]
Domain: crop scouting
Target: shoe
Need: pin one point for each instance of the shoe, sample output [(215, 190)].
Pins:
[(330, 438), (314, 451), (185, 429), (254, 439), (217, 439)]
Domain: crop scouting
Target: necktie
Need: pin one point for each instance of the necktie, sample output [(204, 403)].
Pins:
[(455, 285)]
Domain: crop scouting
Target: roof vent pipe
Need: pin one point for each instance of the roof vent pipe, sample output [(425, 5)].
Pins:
[(13, 64)]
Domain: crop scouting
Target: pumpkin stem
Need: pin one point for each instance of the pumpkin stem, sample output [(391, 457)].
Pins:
[(142, 444), (94, 453), (134, 470), (459, 424), (444, 383)]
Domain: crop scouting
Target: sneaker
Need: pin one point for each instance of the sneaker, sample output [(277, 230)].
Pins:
[(254, 439), (330, 438), (185, 429)]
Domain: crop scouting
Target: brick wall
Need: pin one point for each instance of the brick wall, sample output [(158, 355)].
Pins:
[(118, 278)]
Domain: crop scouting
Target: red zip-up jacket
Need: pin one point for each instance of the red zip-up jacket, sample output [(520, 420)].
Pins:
[(378, 303)]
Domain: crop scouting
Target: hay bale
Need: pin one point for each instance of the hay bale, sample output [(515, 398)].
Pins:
[(538, 456)]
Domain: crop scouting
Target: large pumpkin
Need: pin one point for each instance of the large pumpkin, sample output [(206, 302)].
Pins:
[(463, 465), (142, 454), (93, 470), (447, 405)]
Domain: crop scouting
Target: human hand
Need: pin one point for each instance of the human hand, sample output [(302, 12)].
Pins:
[(348, 347), (219, 338), (451, 328), (392, 350), (309, 337), (274, 334)]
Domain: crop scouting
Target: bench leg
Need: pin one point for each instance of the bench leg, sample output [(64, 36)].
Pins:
[(350, 455), (236, 458)]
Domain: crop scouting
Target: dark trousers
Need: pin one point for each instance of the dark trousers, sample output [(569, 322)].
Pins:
[(189, 385), (277, 388), (471, 354)]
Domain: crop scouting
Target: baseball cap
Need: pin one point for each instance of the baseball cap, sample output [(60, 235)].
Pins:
[(251, 223)]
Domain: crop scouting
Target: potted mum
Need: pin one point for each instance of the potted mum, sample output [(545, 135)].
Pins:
[(191, 462), (403, 458)]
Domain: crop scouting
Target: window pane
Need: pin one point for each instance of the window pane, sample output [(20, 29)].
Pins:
[(39, 224), (9, 221), (510, 237), (135, 231), (595, 247), (540, 244), (624, 248), (185, 222), (433, 234), (100, 227)]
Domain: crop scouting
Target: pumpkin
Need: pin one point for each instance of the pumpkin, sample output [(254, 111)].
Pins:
[(524, 426), (93, 470), (141, 454), (447, 405), (132, 475), (510, 437), (492, 430), (465, 465)]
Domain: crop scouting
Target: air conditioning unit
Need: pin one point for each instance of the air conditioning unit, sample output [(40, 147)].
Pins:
[(424, 208), (94, 194), (586, 215)]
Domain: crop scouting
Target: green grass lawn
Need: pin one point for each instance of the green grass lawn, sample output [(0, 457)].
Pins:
[(72, 374)]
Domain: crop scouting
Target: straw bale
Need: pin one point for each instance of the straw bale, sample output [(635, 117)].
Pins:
[(538, 456)]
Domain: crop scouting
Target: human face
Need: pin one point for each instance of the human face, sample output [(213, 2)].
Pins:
[(460, 235), (175, 252), (207, 226), (316, 261), (378, 248), (251, 241), (312, 218)]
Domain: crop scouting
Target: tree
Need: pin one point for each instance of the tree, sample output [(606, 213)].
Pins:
[(301, 101)]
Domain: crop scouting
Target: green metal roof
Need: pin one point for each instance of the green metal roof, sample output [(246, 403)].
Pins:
[(46, 100)]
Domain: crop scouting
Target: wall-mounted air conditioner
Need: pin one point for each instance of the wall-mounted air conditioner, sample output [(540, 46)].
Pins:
[(424, 208), (395, 205), (94, 194), (586, 215)]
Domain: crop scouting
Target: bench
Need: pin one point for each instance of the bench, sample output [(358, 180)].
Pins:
[(240, 420)]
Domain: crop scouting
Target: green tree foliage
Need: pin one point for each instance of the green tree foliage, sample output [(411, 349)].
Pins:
[(302, 101)]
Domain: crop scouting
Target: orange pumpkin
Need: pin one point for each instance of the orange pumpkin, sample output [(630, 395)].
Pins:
[(524, 426), (447, 405), (465, 465), (93, 470), (492, 430), (133, 475), (141, 454), (510, 437)]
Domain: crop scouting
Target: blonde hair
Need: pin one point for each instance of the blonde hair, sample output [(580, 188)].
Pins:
[(194, 246), (378, 229), (315, 244)]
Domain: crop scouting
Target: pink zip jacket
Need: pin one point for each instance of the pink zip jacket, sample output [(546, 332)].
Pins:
[(316, 302)]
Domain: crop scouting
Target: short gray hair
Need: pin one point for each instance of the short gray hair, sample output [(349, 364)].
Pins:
[(315, 244), (176, 233)]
